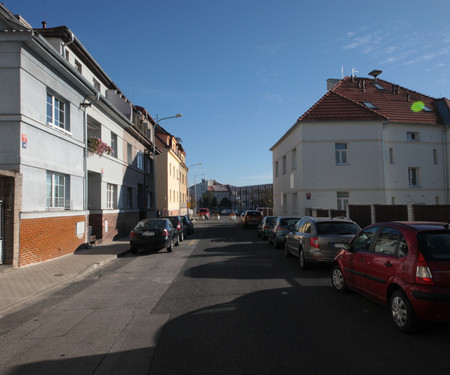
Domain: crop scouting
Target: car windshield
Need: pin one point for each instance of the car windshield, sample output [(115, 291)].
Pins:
[(152, 224), (435, 246), (335, 227)]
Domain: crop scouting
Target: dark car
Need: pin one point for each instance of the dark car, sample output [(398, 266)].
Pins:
[(403, 265), (264, 226), (318, 239), (178, 224), (188, 223), (153, 234), (280, 228)]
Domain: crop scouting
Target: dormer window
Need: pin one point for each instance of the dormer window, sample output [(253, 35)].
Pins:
[(378, 86), (370, 105)]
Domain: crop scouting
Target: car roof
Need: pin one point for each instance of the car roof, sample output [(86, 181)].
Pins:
[(422, 225), (341, 219)]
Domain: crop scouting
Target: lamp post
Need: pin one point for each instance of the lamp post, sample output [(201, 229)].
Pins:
[(187, 176), (154, 155)]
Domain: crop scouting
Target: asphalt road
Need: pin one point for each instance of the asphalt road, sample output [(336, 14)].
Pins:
[(224, 302)]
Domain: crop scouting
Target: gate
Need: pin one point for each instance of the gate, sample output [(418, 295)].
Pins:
[(1, 232)]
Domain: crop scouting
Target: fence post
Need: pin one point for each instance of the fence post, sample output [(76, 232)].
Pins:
[(411, 213), (373, 216)]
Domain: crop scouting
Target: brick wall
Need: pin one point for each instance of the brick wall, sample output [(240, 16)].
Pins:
[(47, 238)]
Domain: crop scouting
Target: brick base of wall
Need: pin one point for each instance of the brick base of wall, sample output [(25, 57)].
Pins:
[(108, 227), (47, 238)]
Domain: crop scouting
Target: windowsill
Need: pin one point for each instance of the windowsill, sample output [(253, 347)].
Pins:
[(56, 127), (342, 164)]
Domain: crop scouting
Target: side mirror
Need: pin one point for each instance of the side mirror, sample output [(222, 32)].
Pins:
[(348, 247)]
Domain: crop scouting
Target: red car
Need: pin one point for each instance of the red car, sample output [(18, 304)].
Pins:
[(403, 265)]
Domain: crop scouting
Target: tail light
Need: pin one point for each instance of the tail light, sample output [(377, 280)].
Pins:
[(164, 232), (283, 229), (132, 234), (178, 226), (423, 273), (314, 242)]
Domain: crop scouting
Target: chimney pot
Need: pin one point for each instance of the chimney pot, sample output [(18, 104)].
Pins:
[(44, 24)]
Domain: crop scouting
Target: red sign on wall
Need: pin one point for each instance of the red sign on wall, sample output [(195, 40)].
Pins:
[(24, 140), (308, 195)]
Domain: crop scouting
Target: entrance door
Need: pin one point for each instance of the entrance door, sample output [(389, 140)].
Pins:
[(1, 232)]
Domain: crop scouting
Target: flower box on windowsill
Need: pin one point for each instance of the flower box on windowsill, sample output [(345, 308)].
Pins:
[(97, 146)]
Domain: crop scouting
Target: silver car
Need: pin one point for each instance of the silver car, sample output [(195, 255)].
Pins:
[(318, 239)]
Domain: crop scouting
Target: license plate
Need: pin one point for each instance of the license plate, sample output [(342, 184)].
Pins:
[(337, 244), (148, 234)]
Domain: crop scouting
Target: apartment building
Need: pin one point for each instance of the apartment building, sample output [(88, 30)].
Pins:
[(366, 141), (76, 156)]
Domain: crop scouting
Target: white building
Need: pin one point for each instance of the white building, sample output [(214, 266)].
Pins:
[(55, 100), (366, 141)]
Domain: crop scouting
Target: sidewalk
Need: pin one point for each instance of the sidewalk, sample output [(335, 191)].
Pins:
[(22, 286)]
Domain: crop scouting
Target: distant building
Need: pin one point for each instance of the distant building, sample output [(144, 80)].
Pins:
[(366, 141)]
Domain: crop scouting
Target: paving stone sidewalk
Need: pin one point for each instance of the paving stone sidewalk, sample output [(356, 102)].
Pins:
[(22, 286)]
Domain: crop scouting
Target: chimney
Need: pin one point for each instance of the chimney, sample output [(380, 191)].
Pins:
[(44, 24)]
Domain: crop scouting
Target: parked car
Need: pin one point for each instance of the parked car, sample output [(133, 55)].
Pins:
[(251, 218), (403, 265), (240, 218), (203, 213), (264, 226), (188, 223), (318, 239), (178, 224), (280, 228), (153, 234)]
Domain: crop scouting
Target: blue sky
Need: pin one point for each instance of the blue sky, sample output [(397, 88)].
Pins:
[(242, 71)]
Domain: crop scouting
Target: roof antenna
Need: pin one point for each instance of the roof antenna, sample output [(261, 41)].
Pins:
[(375, 74), (354, 71)]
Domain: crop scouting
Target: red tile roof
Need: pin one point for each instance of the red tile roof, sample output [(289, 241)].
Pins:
[(345, 102)]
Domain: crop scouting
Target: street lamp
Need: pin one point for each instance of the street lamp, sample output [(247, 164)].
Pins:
[(178, 115)]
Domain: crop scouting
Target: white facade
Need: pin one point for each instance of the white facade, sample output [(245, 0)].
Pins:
[(381, 163)]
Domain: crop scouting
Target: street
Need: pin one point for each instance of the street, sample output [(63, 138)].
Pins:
[(224, 302)]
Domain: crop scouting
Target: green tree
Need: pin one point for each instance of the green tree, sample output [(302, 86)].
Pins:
[(207, 199), (225, 203), (267, 199)]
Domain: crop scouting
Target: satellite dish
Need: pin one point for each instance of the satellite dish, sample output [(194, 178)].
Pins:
[(375, 73)]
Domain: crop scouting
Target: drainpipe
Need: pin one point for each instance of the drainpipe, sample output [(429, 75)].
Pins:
[(383, 149), (444, 146), (84, 106)]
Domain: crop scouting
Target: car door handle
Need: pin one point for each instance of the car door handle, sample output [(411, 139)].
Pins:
[(388, 264)]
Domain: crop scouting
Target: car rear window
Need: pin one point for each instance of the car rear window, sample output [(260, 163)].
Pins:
[(334, 227), (290, 222), (153, 224), (253, 213), (434, 246)]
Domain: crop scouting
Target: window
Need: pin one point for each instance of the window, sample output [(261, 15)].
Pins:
[(391, 155), (67, 55), (285, 203), (140, 160), (341, 153), (111, 196), (412, 136), (56, 112), (435, 159), (129, 154), (276, 169), (378, 86), (58, 191), (294, 159), (129, 198), (413, 176), (342, 200), (78, 66), (114, 144), (391, 242), (284, 164), (363, 241), (295, 203), (369, 105)]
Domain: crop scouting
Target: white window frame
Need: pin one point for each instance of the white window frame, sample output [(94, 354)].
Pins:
[(57, 115), (111, 196), (114, 144), (340, 150), (412, 136), (57, 191), (343, 198), (413, 177)]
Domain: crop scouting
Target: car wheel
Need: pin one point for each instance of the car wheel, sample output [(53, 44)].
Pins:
[(303, 263), (170, 247), (402, 312), (178, 241), (287, 254), (337, 279), (181, 236)]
